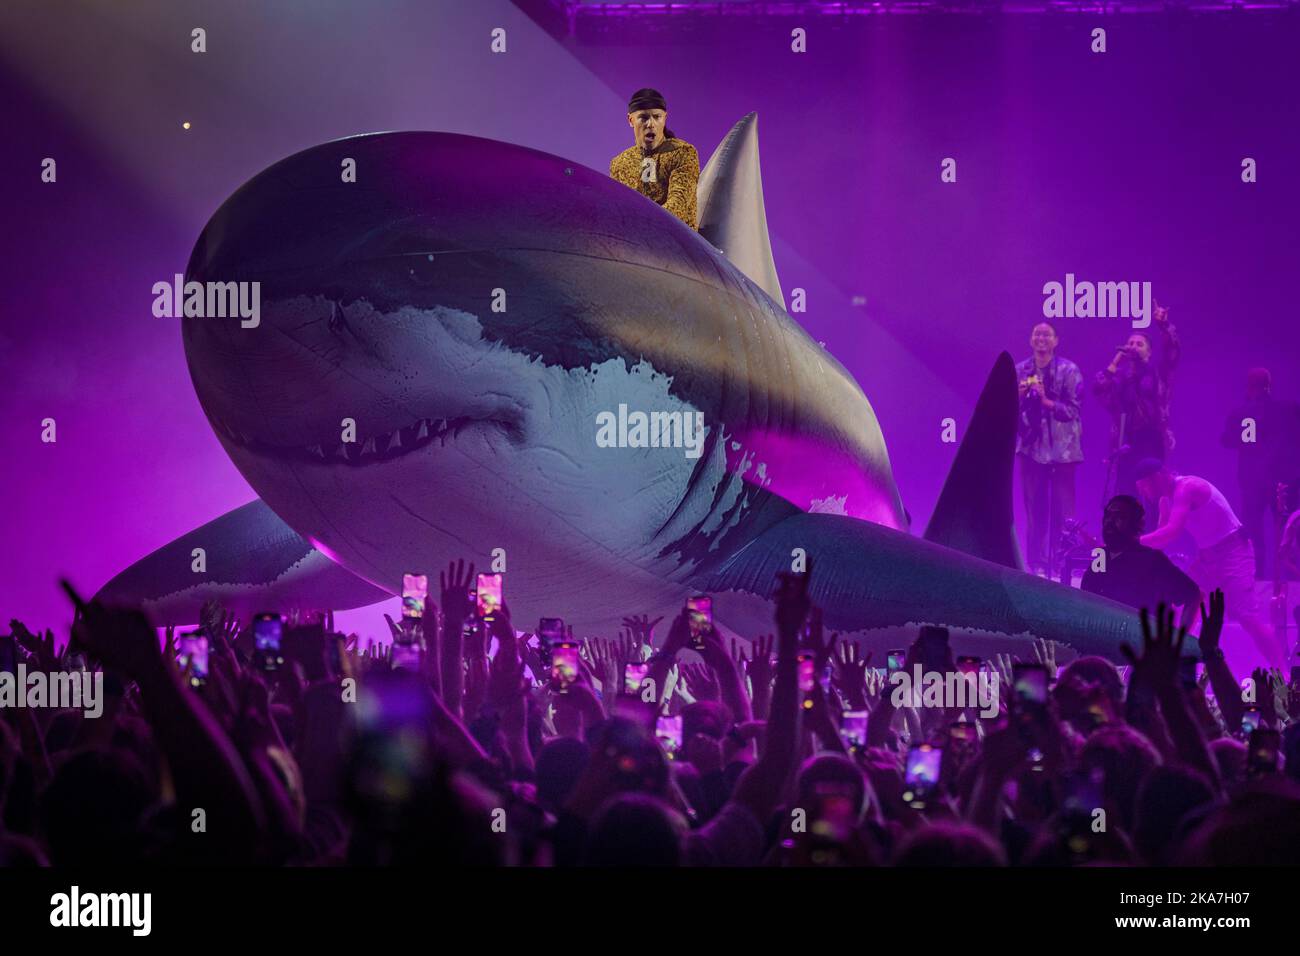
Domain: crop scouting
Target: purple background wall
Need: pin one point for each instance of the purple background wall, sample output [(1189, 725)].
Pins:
[(1122, 166)]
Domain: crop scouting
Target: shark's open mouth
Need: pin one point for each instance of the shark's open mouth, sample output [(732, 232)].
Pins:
[(373, 448)]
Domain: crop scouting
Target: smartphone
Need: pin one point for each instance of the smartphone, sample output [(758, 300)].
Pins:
[(921, 776), (633, 675), (853, 729), (896, 660), (1262, 752), (488, 596), (415, 591), (194, 653), (969, 665), (8, 653), (1187, 672), (564, 665), (668, 731), (1249, 721), (267, 632), (699, 613), (1029, 684), (550, 630)]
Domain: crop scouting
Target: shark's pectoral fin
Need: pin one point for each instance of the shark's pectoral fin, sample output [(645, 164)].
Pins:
[(251, 561), (974, 513), (729, 203), (866, 576)]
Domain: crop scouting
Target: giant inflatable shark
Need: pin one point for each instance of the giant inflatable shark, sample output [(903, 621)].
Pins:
[(474, 308)]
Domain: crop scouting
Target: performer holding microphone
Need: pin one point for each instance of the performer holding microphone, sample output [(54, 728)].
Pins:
[(1135, 390), (1048, 444)]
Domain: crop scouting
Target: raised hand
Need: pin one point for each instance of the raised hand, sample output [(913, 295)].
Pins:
[(225, 628), (1045, 654), (454, 585), (1002, 664), (629, 647), (873, 686), (1212, 622), (606, 665), (700, 682), (851, 672), (208, 615), (820, 646), (759, 663), (642, 628), (1280, 693), (1162, 646)]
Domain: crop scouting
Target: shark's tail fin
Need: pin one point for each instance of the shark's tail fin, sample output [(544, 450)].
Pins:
[(974, 513), (732, 216)]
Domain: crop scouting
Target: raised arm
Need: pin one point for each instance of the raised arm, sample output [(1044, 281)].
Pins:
[(204, 764), (1226, 691), (1157, 666), (1180, 506), (731, 684), (456, 608), (759, 787), (1171, 348)]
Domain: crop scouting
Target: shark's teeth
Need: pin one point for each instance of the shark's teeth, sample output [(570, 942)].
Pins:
[(380, 446)]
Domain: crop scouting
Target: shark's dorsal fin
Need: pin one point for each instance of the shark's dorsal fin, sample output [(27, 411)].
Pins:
[(729, 201), (974, 513)]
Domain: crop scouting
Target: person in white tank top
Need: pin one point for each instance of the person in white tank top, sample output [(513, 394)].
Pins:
[(1211, 522), (1225, 558)]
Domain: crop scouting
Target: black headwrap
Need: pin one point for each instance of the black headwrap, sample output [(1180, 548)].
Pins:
[(647, 99)]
